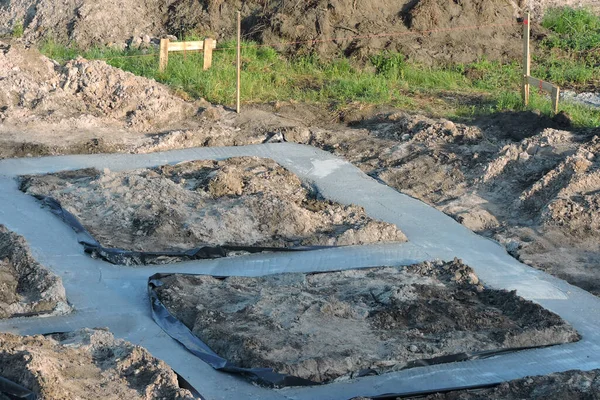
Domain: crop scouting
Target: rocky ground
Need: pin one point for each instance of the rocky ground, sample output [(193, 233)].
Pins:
[(86, 364), (26, 287), (239, 201), (330, 325)]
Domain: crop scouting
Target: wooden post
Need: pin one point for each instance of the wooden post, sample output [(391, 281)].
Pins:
[(555, 97), (526, 57), (164, 55), (239, 61), (208, 49)]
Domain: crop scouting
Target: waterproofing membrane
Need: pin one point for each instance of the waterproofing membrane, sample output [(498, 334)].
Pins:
[(129, 257), (267, 376), (15, 391)]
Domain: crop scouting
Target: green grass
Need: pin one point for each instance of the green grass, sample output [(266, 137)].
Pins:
[(18, 30), (458, 91), (572, 29)]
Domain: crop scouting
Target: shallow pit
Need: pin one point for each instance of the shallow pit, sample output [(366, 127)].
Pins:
[(245, 201), (336, 325)]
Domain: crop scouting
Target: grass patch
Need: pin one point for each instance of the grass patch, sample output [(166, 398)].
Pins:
[(459, 91), (18, 30)]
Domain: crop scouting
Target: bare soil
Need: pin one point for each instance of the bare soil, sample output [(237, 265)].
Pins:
[(331, 325), (570, 385), (524, 179), (86, 364), (98, 101), (88, 23), (26, 287), (240, 201)]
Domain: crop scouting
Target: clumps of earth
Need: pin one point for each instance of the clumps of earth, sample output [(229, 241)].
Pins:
[(327, 326), (239, 201), (518, 177), (571, 385), (86, 364), (307, 24), (26, 287), (39, 96)]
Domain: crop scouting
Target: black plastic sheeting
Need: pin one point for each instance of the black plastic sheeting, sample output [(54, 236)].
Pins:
[(267, 376), (128, 257), (15, 391)]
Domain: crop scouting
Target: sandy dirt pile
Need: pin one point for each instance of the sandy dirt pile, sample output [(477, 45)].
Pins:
[(88, 23), (330, 325), (240, 201), (37, 94), (26, 287), (82, 92), (86, 364), (84, 22)]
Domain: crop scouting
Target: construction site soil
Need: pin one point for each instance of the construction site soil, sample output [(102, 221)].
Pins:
[(526, 180), (327, 27), (26, 287), (246, 201), (332, 325), (86, 364)]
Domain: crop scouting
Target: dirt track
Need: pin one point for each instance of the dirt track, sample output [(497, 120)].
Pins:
[(329, 325)]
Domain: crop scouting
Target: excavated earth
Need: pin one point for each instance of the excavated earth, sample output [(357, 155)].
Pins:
[(374, 25), (330, 325), (239, 201), (86, 364), (526, 180), (26, 287)]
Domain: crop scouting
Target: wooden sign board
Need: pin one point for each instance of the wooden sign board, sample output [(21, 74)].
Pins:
[(166, 46)]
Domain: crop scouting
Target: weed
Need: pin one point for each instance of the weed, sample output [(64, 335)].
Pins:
[(18, 30)]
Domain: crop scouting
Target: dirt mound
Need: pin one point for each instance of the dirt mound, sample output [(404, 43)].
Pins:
[(88, 23), (26, 287), (37, 92), (329, 325), (86, 364), (364, 28), (241, 201), (84, 22)]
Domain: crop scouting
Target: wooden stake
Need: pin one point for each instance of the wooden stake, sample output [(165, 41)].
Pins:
[(526, 58), (208, 49), (555, 97), (239, 60), (164, 55)]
